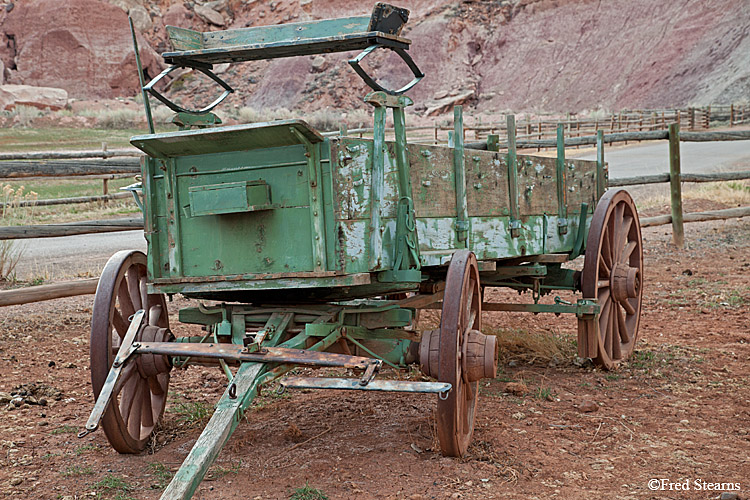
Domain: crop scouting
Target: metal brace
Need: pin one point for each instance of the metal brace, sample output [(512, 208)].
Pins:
[(418, 75), (127, 348), (372, 369)]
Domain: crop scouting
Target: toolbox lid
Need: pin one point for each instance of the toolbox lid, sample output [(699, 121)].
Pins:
[(224, 139)]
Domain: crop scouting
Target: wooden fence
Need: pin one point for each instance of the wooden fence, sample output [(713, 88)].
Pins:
[(100, 164), (540, 129)]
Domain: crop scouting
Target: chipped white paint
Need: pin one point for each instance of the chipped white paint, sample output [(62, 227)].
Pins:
[(354, 173)]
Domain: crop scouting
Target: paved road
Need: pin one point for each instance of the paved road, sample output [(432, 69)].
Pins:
[(58, 258), (695, 157)]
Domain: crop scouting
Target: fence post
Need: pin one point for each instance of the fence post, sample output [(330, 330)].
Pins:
[(105, 186), (678, 231)]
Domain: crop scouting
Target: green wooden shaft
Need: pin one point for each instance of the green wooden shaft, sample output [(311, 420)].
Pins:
[(678, 231), (173, 219), (493, 142), (146, 102), (601, 174), (515, 223), (316, 201), (378, 180), (562, 204), (221, 426), (399, 128), (459, 168)]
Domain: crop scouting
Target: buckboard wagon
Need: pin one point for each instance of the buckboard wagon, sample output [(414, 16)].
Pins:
[(319, 251)]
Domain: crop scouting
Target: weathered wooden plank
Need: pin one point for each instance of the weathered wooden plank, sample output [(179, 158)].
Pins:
[(62, 155), (54, 168), (324, 28), (69, 228), (639, 179), (222, 424), (292, 48), (727, 213), (661, 178), (67, 201), (48, 292), (184, 39)]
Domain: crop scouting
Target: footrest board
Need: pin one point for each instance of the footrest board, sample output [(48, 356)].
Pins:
[(353, 384)]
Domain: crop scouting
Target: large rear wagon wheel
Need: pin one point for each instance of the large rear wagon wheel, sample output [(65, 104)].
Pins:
[(613, 274), (462, 312), (139, 397)]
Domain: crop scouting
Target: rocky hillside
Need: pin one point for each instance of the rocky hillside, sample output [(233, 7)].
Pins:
[(520, 55)]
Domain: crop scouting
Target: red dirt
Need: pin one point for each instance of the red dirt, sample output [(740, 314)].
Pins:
[(679, 410)]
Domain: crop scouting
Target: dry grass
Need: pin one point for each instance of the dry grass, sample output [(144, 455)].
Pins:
[(531, 347), (733, 193)]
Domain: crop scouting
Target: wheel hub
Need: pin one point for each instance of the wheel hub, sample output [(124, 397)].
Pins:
[(624, 282), (150, 365)]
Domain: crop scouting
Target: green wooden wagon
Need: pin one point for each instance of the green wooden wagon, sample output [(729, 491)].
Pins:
[(319, 251)]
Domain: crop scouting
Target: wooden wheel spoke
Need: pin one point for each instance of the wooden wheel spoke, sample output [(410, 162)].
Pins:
[(121, 326), (134, 290), (147, 412), (628, 251), (628, 306), (602, 284), (154, 385), (605, 321), (624, 335), (134, 416), (606, 252), (621, 243), (143, 292), (129, 389), (604, 296), (126, 303), (125, 375), (616, 351), (470, 313)]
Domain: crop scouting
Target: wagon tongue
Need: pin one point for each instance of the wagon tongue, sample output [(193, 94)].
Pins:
[(356, 385)]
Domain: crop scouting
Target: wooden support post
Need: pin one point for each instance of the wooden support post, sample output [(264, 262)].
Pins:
[(731, 115), (601, 173), (678, 231), (539, 128), (562, 206), (376, 188), (459, 169), (515, 222)]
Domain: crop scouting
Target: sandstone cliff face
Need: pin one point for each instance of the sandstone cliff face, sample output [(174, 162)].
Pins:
[(82, 46), (520, 55)]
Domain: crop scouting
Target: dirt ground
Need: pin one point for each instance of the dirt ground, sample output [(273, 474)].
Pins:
[(678, 411)]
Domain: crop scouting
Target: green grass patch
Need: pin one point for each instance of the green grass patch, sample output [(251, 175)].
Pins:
[(80, 450), (65, 429), (193, 413), (78, 470), (113, 488), (160, 474), (307, 492)]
